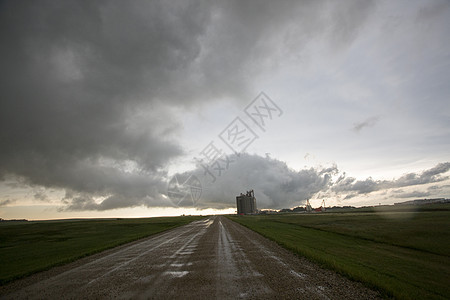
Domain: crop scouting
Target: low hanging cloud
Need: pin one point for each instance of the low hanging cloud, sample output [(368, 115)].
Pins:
[(354, 187), (274, 183), (118, 189), (276, 186)]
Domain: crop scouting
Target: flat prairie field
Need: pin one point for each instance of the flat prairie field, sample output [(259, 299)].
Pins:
[(30, 247), (404, 254)]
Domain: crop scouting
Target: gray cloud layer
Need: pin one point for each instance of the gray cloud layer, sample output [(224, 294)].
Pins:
[(85, 85), (87, 89)]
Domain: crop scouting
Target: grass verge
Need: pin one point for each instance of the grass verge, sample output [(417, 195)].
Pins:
[(405, 255), (30, 247)]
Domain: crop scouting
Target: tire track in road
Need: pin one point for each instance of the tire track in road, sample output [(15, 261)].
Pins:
[(236, 276), (173, 267)]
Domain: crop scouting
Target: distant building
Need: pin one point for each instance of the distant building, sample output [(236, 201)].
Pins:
[(246, 203)]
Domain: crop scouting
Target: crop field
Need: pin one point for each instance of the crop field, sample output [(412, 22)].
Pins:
[(404, 254), (29, 247)]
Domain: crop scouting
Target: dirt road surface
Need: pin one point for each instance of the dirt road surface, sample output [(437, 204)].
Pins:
[(214, 258)]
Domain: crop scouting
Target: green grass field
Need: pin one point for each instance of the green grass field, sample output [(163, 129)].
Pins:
[(30, 247), (405, 255)]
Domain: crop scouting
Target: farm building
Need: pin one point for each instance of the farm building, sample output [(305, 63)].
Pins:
[(246, 203)]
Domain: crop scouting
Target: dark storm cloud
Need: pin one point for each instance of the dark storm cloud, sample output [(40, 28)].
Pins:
[(357, 187), (87, 86), (78, 84)]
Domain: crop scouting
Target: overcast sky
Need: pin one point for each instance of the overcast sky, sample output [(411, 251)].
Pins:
[(106, 105)]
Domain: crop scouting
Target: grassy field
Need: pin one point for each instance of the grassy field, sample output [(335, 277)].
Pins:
[(405, 255), (29, 247)]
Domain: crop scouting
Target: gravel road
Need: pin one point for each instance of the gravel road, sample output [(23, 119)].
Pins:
[(214, 258)]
